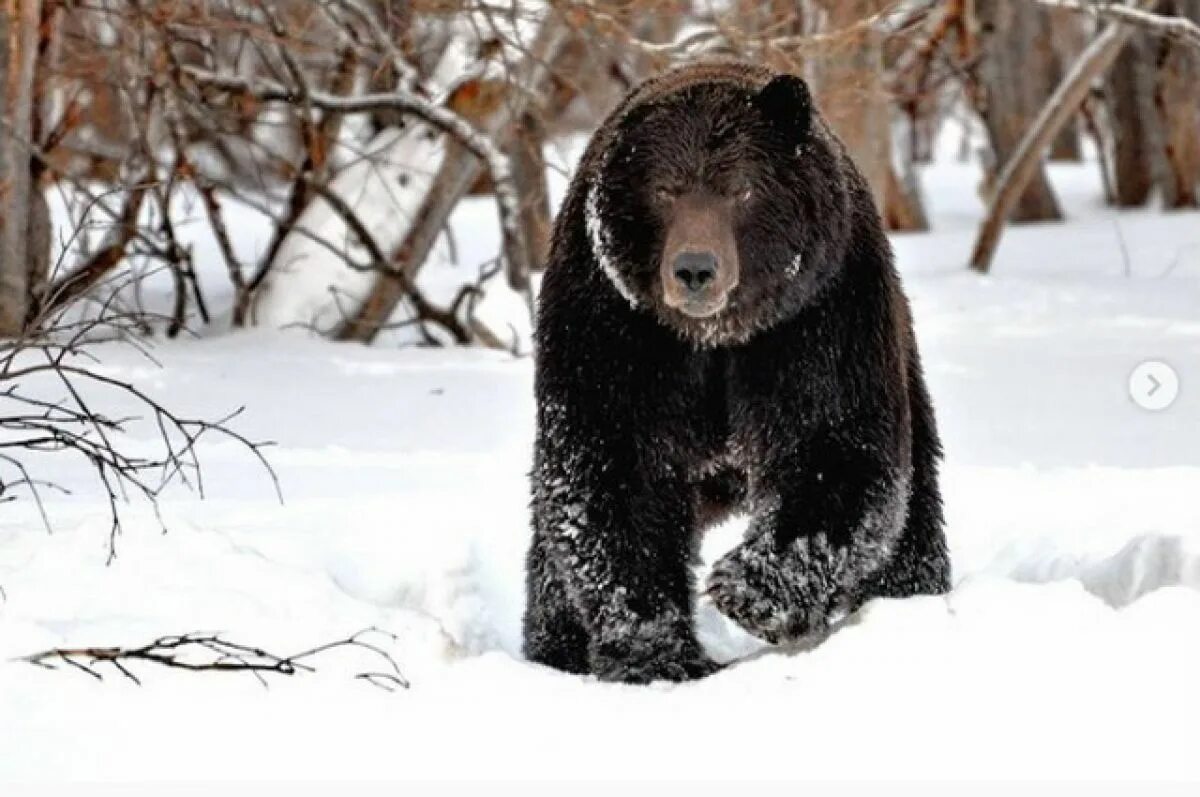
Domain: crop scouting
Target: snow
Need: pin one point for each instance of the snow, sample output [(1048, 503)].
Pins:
[(602, 248), (1068, 648)]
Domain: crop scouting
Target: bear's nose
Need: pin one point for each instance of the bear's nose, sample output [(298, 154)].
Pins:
[(696, 269)]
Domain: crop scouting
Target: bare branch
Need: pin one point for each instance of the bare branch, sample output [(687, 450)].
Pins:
[(443, 119), (1180, 29), (30, 422), (208, 652), (455, 177), (86, 276)]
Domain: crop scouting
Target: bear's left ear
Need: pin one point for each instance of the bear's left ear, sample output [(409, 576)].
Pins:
[(786, 102)]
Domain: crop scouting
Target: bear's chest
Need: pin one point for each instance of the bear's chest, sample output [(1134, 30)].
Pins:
[(704, 424), (719, 409), (737, 409)]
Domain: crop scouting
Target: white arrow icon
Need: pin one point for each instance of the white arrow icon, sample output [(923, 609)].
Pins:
[(1154, 385)]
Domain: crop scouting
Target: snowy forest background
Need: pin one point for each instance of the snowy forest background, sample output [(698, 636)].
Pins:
[(208, 207)]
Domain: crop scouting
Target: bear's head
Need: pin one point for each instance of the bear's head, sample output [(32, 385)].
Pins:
[(719, 203)]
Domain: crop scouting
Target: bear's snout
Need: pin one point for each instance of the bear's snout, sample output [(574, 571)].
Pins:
[(700, 257), (696, 270)]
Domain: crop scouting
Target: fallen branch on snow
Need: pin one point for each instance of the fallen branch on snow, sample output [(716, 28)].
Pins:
[(206, 652)]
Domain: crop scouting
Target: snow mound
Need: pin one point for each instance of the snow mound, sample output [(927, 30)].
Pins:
[(1145, 564)]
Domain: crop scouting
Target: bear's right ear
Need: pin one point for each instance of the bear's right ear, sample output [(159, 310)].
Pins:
[(786, 102)]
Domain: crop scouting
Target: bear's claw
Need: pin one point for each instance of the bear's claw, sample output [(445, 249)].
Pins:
[(764, 592)]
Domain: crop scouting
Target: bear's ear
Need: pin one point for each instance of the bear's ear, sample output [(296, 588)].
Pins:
[(786, 102)]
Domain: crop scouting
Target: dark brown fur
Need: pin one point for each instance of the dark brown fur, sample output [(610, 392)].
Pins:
[(800, 402)]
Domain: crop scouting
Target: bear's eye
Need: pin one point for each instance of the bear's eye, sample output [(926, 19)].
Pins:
[(745, 194), (664, 196)]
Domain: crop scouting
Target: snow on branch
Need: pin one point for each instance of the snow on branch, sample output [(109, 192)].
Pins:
[(209, 652), (720, 35), (437, 116), (529, 77), (443, 119), (1180, 29)]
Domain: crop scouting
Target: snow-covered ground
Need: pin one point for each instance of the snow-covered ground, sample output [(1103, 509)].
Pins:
[(1069, 648)]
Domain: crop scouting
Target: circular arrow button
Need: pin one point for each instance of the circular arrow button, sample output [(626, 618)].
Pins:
[(1154, 385)]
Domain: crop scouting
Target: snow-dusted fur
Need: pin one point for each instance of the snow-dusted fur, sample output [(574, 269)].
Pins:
[(802, 403)]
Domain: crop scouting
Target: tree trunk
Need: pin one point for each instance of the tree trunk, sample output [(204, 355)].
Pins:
[(1090, 113), (1062, 41), (40, 233), (851, 94), (1013, 90), (1177, 97), (903, 209), (19, 24), (1025, 161), (529, 180), (1130, 94)]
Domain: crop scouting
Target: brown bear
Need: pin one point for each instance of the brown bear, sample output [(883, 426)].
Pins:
[(721, 328)]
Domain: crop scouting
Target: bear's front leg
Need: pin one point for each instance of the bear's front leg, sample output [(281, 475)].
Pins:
[(617, 535), (824, 523)]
